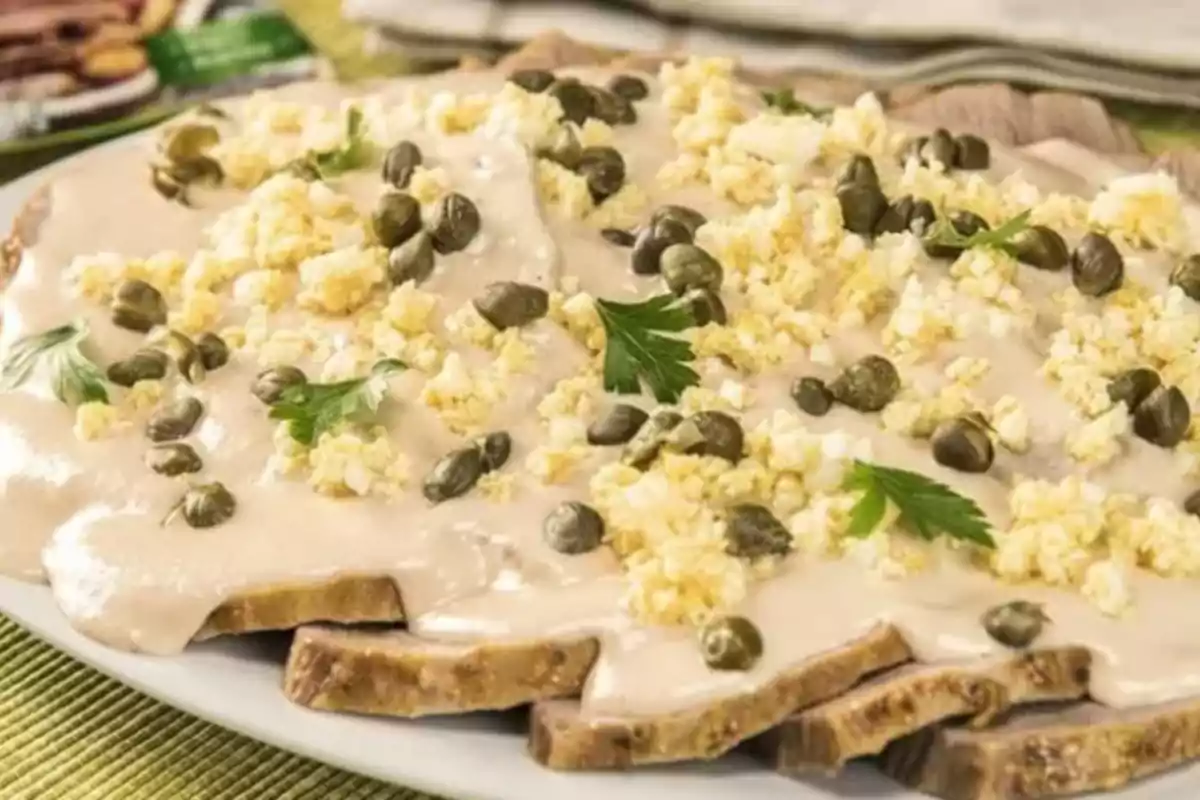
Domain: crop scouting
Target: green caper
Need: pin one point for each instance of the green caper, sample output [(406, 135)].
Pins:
[(532, 80), (144, 365), (914, 148), (496, 448), (965, 223), (752, 531), (620, 424), (648, 442), (396, 218), (907, 214), (731, 644), (508, 304), (1096, 266), (1192, 504), (971, 152), (692, 219), (565, 150), (1042, 248), (173, 459), (138, 306), (214, 353), (573, 529), (1015, 624), (860, 169), (411, 261), (454, 474), (686, 266), (183, 143), (175, 420), (705, 306), (455, 223), (812, 396), (208, 505), (1187, 276), (862, 206), (610, 108), (187, 356), (940, 148), (303, 168), (1163, 417), (201, 169), (164, 181), (270, 384), (1133, 386), (963, 444), (400, 162), (868, 384), (709, 433), (604, 170), (653, 239), (630, 87), (618, 237), (577, 101)]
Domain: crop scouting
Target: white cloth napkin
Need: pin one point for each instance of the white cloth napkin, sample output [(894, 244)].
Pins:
[(1137, 50)]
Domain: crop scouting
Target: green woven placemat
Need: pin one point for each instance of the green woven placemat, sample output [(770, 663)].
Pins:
[(69, 733)]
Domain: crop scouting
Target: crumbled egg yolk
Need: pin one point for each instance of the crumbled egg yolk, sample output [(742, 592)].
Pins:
[(95, 420), (1145, 210), (350, 463), (341, 281)]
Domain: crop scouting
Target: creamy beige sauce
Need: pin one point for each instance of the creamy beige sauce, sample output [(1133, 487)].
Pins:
[(87, 516)]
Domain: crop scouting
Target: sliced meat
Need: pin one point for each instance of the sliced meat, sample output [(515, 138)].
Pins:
[(1048, 753), (903, 701), (563, 737), (58, 20), (348, 600), (396, 674)]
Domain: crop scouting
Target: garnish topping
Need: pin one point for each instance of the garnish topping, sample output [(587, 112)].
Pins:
[(784, 100), (1000, 238), (311, 409), (74, 378), (640, 347), (354, 152), (926, 507)]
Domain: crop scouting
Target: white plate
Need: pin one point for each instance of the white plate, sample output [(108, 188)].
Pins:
[(235, 683)]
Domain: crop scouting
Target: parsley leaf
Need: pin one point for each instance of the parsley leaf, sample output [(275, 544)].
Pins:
[(785, 101), (1001, 238), (74, 378), (353, 153), (640, 347), (311, 409), (926, 507)]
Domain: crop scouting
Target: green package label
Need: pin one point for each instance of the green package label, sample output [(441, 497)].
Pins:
[(220, 50)]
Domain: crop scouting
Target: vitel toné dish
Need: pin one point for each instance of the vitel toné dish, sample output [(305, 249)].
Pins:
[(681, 411)]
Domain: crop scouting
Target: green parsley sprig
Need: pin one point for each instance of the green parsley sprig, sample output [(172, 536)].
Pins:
[(74, 378), (785, 101), (354, 152), (926, 507), (643, 345), (311, 409), (999, 238)]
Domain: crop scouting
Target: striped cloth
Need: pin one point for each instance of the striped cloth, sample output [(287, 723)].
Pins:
[(69, 733), (1111, 47)]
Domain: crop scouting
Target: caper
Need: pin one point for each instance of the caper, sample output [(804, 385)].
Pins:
[(174, 421), (940, 148), (533, 80), (860, 169), (1096, 266), (653, 240), (812, 396), (214, 353), (270, 384), (709, 433), (577, 101), (646, 444), (200, 169), (863, 205), (618, 237), (907, 214), (396, 218), (965, 223), (1163, 417), (303, 168), (971, 152), (138, 306), (914, 148), (454, 474), (692, 219), (188, 358), (963, 444), (686, 266), (1015, 624), (144, 365), (165, 182), (1187, 276), (564, 150), (508, 304), (1133, 386), (455, 223), (620, 424), (496, 448), (868, 384), (182, 143), (173, 459), (411, 261), (400, 162), (731, 644), (705, 306), (573, 529), (630, 87), (610, 108), (1192, 504), (1042, 248), (207, 505), (752, 531), (604, 170)]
